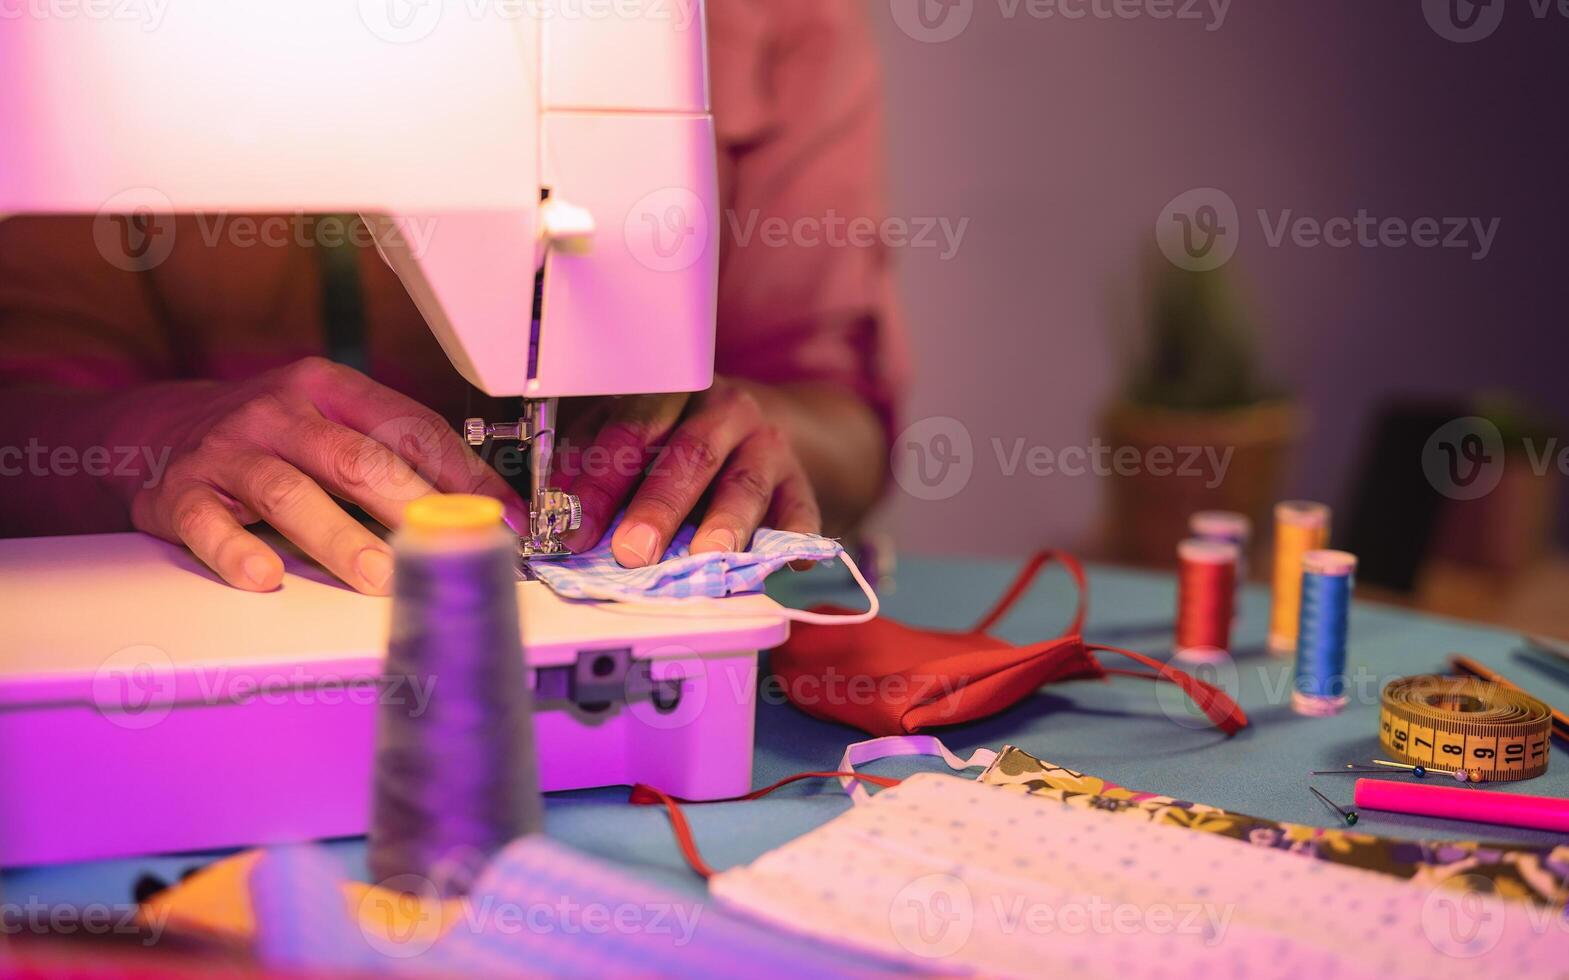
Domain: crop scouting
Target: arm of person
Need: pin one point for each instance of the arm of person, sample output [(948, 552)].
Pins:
[(795, 432), (94, 437)]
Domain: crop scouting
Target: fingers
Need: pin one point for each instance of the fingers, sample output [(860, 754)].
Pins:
[(417, 435), (795, 506), (200, 519), (685, 468), (743, 492), (795, 509), (303, 512), (615, 463), (578, 421), (352, 466)]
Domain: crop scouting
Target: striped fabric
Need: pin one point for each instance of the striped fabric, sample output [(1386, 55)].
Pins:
[(596, 574), (540, 909)]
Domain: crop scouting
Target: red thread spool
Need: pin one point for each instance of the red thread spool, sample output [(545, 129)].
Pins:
[(1206, 598)]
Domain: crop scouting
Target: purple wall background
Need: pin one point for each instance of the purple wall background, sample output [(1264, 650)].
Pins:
[(1062, 141)]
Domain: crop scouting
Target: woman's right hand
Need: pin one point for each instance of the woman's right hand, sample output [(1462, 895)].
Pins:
[(278, 448)]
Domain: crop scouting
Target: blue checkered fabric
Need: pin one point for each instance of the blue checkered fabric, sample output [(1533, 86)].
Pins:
[(596, 574)]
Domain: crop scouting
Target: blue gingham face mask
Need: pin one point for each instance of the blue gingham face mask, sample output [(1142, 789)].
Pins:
[(682, 576)]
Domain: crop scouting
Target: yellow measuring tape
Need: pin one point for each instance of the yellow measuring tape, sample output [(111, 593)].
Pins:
[(1494, 733)]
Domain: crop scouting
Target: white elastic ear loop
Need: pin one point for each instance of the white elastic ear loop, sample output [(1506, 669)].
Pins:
[(833, 619), (672, 607), (893, 745)]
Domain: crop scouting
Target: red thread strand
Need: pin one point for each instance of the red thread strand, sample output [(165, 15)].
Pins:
[(645, 795)]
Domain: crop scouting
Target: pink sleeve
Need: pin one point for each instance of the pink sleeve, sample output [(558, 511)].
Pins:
[(804, 286)]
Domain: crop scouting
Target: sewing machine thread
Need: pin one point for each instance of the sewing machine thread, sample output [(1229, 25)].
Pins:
[(1300, 526), (1228, 527), (455, 774), (1327, 578), (1206, 598)]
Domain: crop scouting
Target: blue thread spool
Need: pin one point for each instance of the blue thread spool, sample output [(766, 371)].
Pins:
[(456, 776), (1327, 580)]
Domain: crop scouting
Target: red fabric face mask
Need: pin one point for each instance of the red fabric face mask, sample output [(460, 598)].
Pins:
[(889, 679)]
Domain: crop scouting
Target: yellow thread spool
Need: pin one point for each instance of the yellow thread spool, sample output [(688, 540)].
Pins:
[(1300, 526)]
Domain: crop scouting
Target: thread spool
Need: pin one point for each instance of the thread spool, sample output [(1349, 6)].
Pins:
[(1327, 578), (1300, 526), (1206, 595), (1227, 527), (456, 776)]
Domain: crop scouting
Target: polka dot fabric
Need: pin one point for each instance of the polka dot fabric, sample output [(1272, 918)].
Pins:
[(961, 877)]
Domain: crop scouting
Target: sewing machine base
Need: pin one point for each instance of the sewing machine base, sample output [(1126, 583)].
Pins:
[(146, 707)]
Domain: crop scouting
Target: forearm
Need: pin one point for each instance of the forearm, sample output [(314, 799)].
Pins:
[(63, 455), (840, 443)]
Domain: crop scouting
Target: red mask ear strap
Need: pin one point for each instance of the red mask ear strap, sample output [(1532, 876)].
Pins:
[(644, 795), (1227, 715), (1022, 582)]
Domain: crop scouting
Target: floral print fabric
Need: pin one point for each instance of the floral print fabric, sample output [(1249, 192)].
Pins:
[(1539, 874)]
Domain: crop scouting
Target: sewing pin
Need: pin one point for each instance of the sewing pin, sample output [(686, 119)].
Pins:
[(1347, 769), (1349, 816), (1459, 775)]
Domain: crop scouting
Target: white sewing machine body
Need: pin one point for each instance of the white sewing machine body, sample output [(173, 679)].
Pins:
[(543, 180), (146, 707), (446, 129)]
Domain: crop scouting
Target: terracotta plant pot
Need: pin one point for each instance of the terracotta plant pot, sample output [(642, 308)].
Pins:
[(1147, 512), (1505, 531)]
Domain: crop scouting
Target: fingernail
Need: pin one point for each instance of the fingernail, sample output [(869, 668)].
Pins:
[(259, 570), (720, 539), (634, 545), (375, 567)]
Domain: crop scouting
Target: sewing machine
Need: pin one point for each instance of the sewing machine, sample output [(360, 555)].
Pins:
[(542, 179)]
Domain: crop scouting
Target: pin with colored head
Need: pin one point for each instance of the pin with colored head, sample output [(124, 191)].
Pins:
[(1420, 772), (1349, 816)]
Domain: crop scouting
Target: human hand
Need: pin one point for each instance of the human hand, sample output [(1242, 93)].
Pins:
[(667, 453), (278, 448)]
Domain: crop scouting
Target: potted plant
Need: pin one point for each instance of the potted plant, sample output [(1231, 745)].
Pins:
[(1510, 527), (1193, 393)]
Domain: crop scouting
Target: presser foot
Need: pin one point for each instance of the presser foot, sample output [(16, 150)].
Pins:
[(554, 513), (533, 551)]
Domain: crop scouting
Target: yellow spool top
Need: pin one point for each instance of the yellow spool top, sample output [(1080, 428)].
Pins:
[(1302, 513), (452, 512)]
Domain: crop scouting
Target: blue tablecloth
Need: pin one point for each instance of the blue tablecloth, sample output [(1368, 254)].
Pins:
[(1122, 729)]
